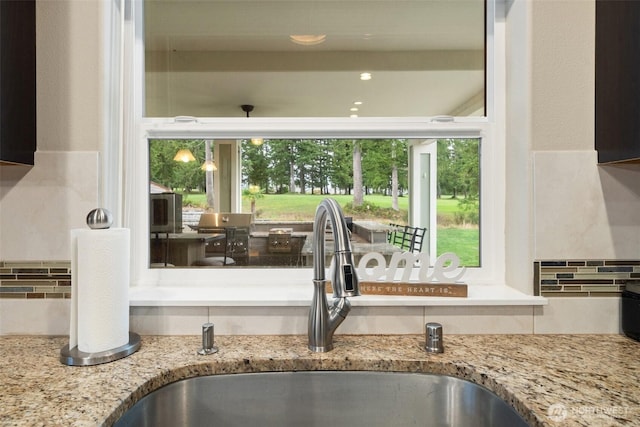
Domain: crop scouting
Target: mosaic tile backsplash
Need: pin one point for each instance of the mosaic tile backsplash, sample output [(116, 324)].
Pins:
[(35, 279), (583, 278), (552, 278)]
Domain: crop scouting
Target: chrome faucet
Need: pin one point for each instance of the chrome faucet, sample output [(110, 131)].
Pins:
[(323, 321)]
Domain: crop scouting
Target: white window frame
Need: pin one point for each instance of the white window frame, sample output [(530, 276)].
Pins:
[(491, 129)]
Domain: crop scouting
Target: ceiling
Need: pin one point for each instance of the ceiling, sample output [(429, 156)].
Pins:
[(206, 58)]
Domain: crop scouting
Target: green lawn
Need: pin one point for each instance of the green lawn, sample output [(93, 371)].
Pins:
[(297, 207), (301, 207), (447, 205), (461, 241)]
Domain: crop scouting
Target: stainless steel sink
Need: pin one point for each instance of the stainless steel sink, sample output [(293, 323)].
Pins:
[(322, 398)]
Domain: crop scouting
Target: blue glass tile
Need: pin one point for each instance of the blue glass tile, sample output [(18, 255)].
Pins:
[(553, 263), (615, 269)]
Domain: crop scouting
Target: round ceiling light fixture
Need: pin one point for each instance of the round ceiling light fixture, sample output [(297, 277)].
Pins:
[(247, 108), (308, 39)]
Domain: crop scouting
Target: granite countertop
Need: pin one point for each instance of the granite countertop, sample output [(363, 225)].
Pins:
[(588, 380)]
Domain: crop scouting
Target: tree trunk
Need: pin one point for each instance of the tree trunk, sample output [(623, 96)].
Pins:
[(209, 176), (303, 182), (292, 178), (394, 188), (358, 194)]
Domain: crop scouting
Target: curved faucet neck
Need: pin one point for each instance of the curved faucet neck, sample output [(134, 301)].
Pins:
[(330, 209)]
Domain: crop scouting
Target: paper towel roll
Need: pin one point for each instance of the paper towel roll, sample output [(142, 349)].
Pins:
[(99, 289)]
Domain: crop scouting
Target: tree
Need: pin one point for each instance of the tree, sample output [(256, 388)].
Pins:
[(376, 167), (255, 164), (252, 194), (322, 167), (170, 173), (358, 191), (282, 164), (161, 162), (458, 167), (399, 169), (342, 164), (292, 168), (385, 165), (394, 177), (208, 155), (307, 155)]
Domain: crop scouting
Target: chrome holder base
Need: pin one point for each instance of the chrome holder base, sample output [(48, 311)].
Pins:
[(207, 351), (75, 357)]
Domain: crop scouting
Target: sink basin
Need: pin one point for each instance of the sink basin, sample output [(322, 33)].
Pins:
[(322, 398)]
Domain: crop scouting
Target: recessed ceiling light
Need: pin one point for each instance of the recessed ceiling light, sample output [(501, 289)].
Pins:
[(308, 39), (365, 76), (357, 102), (353, 109), (353, 116)]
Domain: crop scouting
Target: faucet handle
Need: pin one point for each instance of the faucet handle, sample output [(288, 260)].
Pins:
[(344, 277)]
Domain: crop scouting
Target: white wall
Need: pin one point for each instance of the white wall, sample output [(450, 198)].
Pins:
[(580, 210), (40, 204), (572, 207)]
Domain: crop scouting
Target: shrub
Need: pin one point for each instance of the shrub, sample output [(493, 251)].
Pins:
[(371, 211), (468, 213)]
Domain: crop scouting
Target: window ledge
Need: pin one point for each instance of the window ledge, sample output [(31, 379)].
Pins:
[(298, 295)]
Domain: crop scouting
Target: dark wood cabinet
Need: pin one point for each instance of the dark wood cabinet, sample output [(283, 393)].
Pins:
[(617, 81), (17, 81)]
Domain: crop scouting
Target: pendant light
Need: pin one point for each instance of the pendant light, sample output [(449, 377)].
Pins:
[(184, 155), (209, 166), (247, 108)]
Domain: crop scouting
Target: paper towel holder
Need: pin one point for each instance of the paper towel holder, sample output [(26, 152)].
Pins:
[(75, 357), (99, 219)]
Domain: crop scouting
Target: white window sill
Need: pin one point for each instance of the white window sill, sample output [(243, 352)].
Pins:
[(296, 295)]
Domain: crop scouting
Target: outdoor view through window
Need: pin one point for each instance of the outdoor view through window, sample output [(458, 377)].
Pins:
[(242, 203), (298, 68)]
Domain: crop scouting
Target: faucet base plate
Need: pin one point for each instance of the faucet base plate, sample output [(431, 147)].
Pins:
[(321, 349)]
